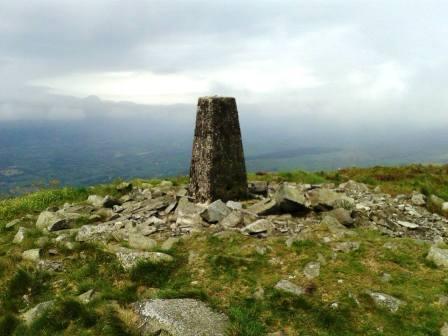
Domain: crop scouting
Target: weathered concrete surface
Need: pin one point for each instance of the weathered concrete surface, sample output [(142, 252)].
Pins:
[(218, 170)]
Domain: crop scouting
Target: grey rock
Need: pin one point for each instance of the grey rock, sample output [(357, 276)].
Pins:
[(336, 228), (408, 225), (234, 205), (51, 221), (166, 184), (31, 255), (354, 187), (130, 258), (439, 256), (264, 207), (258, 187), (234, 219), (312, 269), (418, 199), (101, 232), (437, 201), (326, 199), (87, 296), (386, 277), (215, 212), (260, 226), (289, 287), (180, 317), (34, 313), (140, 242), (185, 208), (290, 199), (124, 187), (386, 301), (343, 216), (444, 330), (50, 266), (12, 223), (20, 235), (95, 200), (346, 247), (169, 243)]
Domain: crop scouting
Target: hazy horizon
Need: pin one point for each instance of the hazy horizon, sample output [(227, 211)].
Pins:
[(319, 85)]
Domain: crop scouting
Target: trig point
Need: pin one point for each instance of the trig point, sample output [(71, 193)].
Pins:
[(217, 167)]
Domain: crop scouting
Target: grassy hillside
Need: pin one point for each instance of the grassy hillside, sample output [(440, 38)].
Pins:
[(234, 274)]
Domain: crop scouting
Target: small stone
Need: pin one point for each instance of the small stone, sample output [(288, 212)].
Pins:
[(260, 226), (215, 212), (12, 223), (140, 242), (124, 187), (36, 312), (179, 317), (408, 225), (234, 205), (234, 219), (289, 287), (290, 199), (312, 270), (346, 247), (169, 243), (386, 301), (439, 256), (87, 296), (259, 293), (130, 258), (386, 277), (31, 255), (51, 221), (418, 199), (444, 330), (166, 184), (264, 207), (20, 236), (258, 187), (343, 216)]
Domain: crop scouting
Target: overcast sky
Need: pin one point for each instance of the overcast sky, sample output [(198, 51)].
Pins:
[(346, 61)]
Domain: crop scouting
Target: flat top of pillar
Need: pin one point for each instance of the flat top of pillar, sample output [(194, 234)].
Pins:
[(210, 98)]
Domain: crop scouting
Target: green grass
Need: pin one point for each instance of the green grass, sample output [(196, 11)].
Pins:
[(226, 272)]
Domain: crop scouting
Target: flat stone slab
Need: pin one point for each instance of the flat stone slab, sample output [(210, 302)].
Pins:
[(180, 317)]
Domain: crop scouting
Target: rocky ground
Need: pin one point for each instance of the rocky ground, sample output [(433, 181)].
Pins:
[(333, 251)]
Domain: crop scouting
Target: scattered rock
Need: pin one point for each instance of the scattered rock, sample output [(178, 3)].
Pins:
[(312, 269), (36, 312), (87, 296), (289, 287), (31, 255), (140, 242), (215, 212), (354, 187), (439, 256), (408, 225), (260, 226), (264, 207), (51, 221), (290, 199), (444, 330), (12, 223), (124, 187), (179, 317), (129, 258), (258, 187), (326, 199), (346, 247), (386, 277), (169, 243), (20, 235), (418, 199), (343, 216), (386, 301), (234, 205), (234, 219)]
